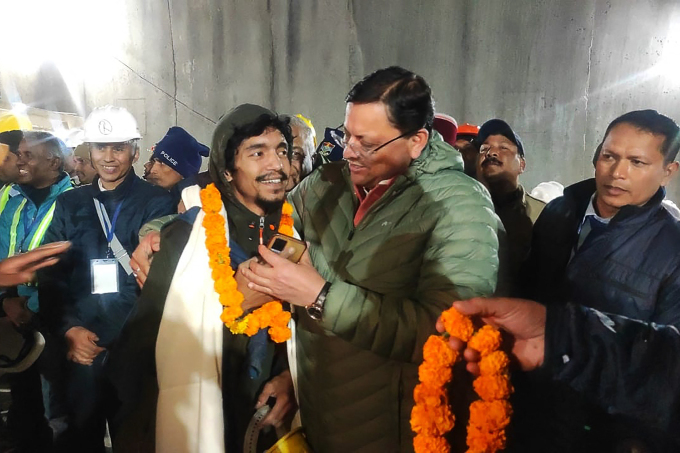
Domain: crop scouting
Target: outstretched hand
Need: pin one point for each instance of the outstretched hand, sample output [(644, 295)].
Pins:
[(523, 319), (21, 268)]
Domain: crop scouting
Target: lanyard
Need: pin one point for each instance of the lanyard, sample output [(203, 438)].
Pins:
[(109, 225)]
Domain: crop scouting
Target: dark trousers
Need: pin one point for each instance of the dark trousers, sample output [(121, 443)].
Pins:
[(26, 417), (90, 403)]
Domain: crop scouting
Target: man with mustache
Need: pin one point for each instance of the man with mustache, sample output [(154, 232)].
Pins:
[(396, 232), (501, 160), (249, 165), (610, 244)]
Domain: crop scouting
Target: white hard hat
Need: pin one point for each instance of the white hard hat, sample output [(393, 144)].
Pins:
[(110, 124)]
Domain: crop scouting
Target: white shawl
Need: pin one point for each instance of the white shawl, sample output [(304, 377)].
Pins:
[(189, 351), (189, 416)]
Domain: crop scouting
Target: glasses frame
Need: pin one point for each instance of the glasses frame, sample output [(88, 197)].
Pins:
[(345, 144)]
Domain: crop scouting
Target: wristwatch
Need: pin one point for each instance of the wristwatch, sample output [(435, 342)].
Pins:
[(315, 310)]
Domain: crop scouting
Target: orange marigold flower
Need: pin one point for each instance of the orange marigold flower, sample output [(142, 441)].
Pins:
[(428, 444), (486, 340), (279, 334), (457, 325), (433, 374), (432, 420), (437, 350), (483, 441), (253, 326), (490, 415), (493, 387), (229, 314), (495, 363), (286, 209), (427, 395)]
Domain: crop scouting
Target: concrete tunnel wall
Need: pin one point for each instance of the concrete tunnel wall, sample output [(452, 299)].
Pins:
[(557, 71)]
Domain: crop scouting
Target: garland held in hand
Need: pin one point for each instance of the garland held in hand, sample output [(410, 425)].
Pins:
[(431, 417), (271, 315)]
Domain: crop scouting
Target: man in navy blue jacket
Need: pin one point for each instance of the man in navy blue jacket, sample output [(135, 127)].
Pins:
[(86, 298), (610, 244)]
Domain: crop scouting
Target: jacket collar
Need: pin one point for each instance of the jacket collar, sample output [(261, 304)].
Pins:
[(516, 197), (581, 193), (119, 191), (63, 183)]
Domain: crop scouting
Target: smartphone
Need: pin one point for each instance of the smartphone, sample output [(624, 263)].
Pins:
[(280, 242)]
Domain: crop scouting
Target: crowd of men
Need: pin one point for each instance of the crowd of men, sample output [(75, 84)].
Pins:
[(419, 214)]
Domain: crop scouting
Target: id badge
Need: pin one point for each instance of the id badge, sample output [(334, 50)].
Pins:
[(104, 276)]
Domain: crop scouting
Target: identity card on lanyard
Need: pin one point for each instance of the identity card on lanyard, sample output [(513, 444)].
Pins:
[(105, 271)]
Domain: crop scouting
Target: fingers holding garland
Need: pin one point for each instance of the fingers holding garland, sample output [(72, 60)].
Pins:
[(432, 418)]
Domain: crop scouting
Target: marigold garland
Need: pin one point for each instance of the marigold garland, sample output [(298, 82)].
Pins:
[(271, 315), (431, 417)]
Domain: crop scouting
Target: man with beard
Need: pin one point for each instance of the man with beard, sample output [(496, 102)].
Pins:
[(176, 325), (501, 160)]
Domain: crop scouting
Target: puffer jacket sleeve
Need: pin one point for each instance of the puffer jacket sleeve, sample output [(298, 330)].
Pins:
[(627, 366), (460, 261)]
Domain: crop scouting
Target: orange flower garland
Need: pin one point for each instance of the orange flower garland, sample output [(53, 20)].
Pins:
[(271, 315), (431, 417)]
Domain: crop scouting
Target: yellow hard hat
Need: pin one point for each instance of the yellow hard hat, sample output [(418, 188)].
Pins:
[(308, 122), (10, 121)]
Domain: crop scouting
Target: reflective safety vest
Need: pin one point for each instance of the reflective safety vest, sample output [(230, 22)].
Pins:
[(39, 233), (4, 197)]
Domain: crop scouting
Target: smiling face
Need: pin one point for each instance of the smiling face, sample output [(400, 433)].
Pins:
[(37, 166), (630, 169), (261, 170), (84, 170), (113, 161), (367, 128)]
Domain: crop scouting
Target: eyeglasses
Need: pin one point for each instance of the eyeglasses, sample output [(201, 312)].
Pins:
[(360, 149), (486, 148)]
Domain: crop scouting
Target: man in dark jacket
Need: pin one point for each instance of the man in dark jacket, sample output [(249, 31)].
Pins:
[(573, 344), (86, 298), (611, 245), (501, 160)]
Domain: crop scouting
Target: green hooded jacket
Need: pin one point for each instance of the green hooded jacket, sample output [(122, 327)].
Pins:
[(431, 239)]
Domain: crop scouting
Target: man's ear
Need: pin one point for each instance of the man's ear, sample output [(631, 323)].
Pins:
[(522, 164), (669, 171), (135, 158), (57, 162), (228, 175), (418, 142)]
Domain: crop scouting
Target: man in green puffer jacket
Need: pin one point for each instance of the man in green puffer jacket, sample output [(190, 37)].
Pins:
[(395, 233)]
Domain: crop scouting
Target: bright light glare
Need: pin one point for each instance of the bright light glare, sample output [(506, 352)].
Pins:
[(73, 34), (669, 61)]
